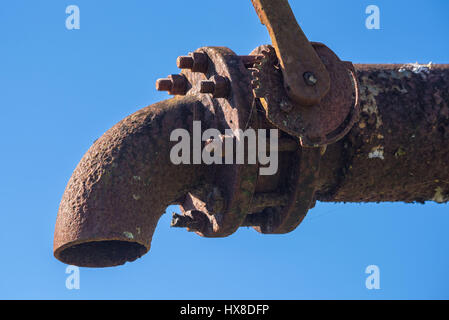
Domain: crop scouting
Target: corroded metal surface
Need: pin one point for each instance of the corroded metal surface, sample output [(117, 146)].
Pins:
[(325, 122), (123, 184), (232, 110), (302, 187), (296, 55), (399, 149)]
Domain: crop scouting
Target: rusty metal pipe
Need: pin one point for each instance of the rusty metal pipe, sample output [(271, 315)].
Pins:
[(123, 185), (397, 151)]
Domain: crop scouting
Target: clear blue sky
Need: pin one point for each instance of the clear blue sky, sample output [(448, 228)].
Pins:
[(60, 90)]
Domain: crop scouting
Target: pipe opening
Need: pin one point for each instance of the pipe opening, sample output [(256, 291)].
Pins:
[(100, 254), (112, 190)]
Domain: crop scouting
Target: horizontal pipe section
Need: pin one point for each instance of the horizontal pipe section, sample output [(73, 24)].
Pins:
[(399, 149)]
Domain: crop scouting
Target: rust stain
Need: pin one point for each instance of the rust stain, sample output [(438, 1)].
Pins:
[(397, 151)]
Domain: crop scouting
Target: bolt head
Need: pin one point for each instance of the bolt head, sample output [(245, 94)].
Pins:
[(175, 84), (185, 62), (310, 78), (179, 86), (200, 62), (164, 84), (207, 86), (222, 86)]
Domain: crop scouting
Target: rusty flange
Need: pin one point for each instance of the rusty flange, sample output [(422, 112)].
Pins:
[(316, 125), (226, 84), (302, 184)]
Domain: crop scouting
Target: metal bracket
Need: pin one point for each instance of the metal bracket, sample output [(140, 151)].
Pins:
[(306, 79), (325, 123), (305, 89)]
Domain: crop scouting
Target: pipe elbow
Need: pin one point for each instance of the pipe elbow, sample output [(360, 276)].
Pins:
[(122, 186)]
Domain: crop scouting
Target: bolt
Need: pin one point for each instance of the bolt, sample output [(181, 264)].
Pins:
[(310, 78), (207, 86), (179, 221), (195, 61), (218, 86), (192, 220), (164, 84), (185, 62), (175, 84)]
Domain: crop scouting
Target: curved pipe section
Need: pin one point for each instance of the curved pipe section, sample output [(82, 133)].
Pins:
[(122, 186), (397, 151)]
